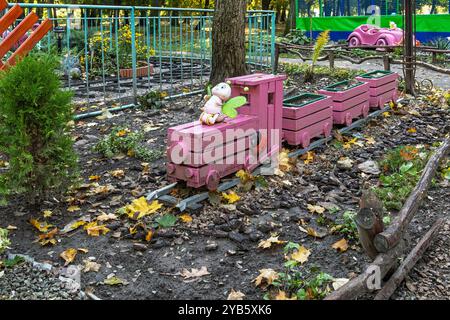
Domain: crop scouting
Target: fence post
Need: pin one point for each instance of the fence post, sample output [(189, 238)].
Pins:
[(272, 41), (331, 59), (133, 53), (387, 62)]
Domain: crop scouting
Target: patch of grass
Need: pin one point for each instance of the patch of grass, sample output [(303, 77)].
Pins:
[(337, 74), (122, 140), (10, 263), (401, 167)]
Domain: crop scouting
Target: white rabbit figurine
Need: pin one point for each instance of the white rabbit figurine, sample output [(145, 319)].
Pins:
[(212, 111)]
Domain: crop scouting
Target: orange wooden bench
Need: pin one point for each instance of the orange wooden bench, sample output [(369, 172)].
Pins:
[(18, 32)]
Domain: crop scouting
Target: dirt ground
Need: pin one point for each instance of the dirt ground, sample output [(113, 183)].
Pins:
[(222, 238)]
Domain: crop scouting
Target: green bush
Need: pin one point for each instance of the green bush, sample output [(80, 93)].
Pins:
[(34, 130), (122, 140)]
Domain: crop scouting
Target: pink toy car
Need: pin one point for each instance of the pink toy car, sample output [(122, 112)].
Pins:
[(367, 34)]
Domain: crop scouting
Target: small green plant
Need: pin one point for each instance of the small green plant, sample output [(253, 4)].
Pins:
[(9, 263), (298, 37), (321, 41), (122, 140), (337, 74), (347, 226), (34, 130), (152, 100), (402, 168), (301, 283), (4, 240)]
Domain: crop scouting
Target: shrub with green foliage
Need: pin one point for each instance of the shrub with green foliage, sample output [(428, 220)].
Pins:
[(121, 140), (34, 130)]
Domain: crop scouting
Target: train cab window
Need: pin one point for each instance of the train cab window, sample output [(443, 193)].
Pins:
[(271, 98)]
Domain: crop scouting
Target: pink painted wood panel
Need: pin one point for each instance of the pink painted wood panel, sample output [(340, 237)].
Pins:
[(346, 117), (196, 137), (339, 96), (217, 153), (303, 137), (376, 82), (302, 123), (357, 100), (380, 100), (296, 113)]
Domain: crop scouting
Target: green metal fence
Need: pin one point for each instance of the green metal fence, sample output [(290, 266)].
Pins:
[(114, 54)]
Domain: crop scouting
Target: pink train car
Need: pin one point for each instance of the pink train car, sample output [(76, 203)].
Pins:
[(202, 155), (307, 116), (350, 100), (383, 87)]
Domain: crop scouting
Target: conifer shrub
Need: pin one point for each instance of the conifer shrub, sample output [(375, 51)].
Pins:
[(34, 131)]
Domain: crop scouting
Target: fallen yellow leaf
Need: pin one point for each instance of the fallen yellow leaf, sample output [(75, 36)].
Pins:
[(282, 296), (315, 209), (412, 130), (73, 208), (308, 157), (341, 245), (48, 238), (118, 173), (186, 218), (266, 277), (235, 295), (265, 244), (231, 197), (141, 208), (301, 255), (41, 226), (149, 236), (68, 255), (94, 230), (386, 114), (47, 213), (94, 178), (106, 217)]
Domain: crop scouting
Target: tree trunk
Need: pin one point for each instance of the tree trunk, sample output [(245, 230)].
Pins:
[(228, 40), (291, 22)]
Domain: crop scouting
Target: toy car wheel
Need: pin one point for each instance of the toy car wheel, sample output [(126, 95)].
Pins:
[(354, 41), (381, 42), (212, 180)]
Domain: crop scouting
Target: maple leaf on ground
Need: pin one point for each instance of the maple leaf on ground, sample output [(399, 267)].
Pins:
[(315, 209), (119, 174), (75, 224), (47, 213), (140, 208), (93, 229), (266, 277), (69, 255), (308, 157), (41, 226), (186, 218), (231, 197), (300, 255), (265, 244), (235, 295), (194, 273), (341, 245), (48, 238), (91, 266), (282, 296), (94, 178)]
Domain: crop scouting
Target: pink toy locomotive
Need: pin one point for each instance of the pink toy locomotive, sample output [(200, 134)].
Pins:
[(201, 153)]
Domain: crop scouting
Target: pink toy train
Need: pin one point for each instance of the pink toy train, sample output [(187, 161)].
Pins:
[(202, 155)]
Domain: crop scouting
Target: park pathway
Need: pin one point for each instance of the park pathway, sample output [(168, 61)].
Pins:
[(439, 80)]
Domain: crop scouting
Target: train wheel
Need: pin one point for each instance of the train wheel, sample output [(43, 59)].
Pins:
[(306, 139), (212, 180), (327, 129), (348, 119), (365, 110)]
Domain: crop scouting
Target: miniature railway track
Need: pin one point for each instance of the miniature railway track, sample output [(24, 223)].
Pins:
[(193, 203)]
